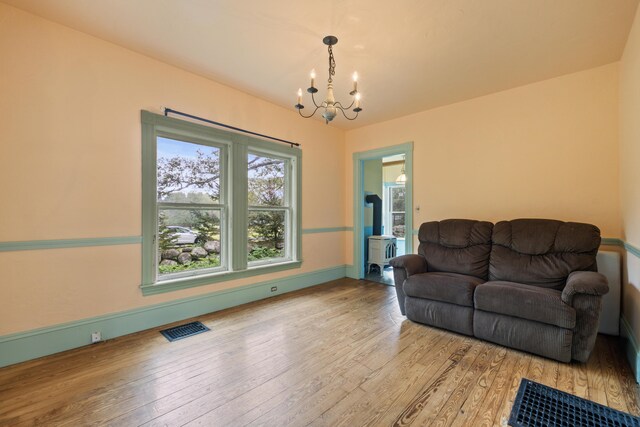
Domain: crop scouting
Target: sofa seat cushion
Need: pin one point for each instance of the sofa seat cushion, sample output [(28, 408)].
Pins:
[(453, 317), (446, 287), (526, 302)]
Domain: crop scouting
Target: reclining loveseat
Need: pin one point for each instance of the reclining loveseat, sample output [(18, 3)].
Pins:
[(529, 284)]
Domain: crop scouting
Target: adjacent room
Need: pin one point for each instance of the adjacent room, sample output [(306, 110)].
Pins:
[(342, 213)]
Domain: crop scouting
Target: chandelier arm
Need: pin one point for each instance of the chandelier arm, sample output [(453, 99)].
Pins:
[(310, 115), (314, 101), (347, 117), (339, 105)]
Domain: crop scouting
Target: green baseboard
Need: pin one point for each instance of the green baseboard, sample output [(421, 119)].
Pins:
[(631, 347), (32, 344)]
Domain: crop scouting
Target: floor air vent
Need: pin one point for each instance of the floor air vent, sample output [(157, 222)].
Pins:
[(539, 405), (184, 331)]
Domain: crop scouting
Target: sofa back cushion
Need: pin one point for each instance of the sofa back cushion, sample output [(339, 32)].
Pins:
[(456, 246), (542, 252)]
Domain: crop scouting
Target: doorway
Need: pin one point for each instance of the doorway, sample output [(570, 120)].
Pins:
[(369, 169)]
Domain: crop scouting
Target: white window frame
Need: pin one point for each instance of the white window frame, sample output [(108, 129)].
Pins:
[(388, 213)]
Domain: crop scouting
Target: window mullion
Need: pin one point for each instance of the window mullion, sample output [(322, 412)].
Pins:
[(238, 218)]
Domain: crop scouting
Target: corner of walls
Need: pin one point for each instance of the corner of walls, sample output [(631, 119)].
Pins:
[(629, 183)]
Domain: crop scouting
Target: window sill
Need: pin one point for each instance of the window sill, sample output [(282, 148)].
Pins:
[(208, 279)]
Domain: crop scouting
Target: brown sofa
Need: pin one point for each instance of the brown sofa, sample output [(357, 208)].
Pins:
[(529, 284)]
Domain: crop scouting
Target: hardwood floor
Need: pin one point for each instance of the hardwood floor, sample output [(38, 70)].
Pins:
[(338, 354)]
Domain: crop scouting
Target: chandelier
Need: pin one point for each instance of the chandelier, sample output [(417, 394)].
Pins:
[(330, 105)]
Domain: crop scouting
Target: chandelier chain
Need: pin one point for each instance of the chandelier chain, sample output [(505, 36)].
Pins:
[(332, 65)]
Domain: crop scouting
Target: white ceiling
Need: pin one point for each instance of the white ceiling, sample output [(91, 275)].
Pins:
[(411, 55)]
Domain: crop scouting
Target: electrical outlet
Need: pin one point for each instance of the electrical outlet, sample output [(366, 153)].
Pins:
[(274, 288), (96, 337)]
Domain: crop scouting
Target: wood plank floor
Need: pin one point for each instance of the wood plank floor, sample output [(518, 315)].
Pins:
[(338, 354)]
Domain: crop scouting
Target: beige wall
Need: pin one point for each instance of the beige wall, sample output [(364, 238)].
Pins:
[(547, 150), (630, 171), (70, 168)]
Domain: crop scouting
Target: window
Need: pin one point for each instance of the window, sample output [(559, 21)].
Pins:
[(394, 208), (191, 208), (269, 209), (216, 205)]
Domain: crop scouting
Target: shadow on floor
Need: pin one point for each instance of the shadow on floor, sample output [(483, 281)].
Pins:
[(386, 278)]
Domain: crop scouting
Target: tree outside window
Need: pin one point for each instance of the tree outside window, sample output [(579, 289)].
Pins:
[(190, 206), (268, 207)]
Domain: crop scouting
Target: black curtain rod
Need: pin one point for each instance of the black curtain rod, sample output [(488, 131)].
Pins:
[(179, 113)]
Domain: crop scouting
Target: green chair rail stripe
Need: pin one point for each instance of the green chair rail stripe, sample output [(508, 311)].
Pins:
[(612, 241), (632, 249), (325, 230), (29, 245)]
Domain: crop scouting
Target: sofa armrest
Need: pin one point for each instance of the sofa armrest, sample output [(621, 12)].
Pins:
[(412, 264), (403, 267), (583, 292), (586, 283)]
